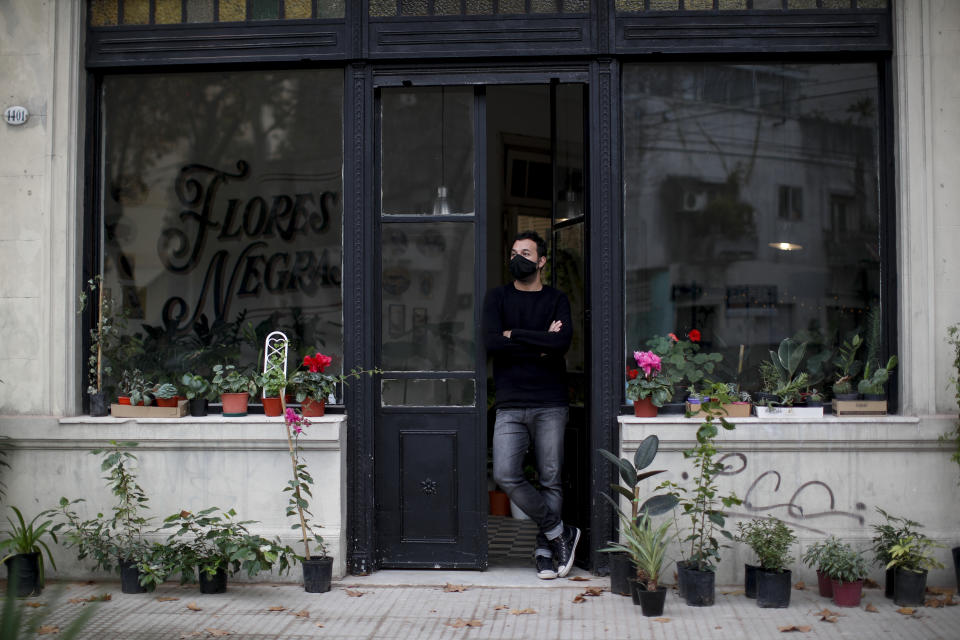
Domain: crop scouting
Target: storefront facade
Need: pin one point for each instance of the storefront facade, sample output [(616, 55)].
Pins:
[(352, 173)]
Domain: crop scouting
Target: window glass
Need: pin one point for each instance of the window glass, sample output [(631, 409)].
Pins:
[(221, 201), (751, 211)]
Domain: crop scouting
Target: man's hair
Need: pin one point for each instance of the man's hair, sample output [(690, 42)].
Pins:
[(533, 235)]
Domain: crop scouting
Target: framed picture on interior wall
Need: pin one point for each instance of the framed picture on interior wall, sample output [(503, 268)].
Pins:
[(396, 320)]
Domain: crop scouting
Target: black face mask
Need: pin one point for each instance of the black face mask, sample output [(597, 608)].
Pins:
[(521, 268)]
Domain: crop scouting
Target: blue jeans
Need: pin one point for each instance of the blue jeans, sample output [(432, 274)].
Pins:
[(513, 433)]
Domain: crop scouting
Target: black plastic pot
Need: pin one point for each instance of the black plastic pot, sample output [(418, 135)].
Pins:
[(98, 404), (317, 574), (215, 584), (651, 602), (909, 587), (750, 580), (846, 396), (874, 396), (682, 579), (23, 574), (888, 582), (130, 578), (956, 565), (773, 589), (700, 590), (198, 407), (635, 588), (621, 570)]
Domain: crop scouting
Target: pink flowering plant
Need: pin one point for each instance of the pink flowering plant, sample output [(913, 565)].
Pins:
[(299, 487), (646, 382)]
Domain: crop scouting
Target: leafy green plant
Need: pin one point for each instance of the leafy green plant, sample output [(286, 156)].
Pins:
[(165, 391), (873, 381), (914, 553), (632, 473), (106, 335), (27, 537), (274, 379), (135, 386), (645, 544), (702, 503), (230, 379), (317, 385), (121, 537), (770, 539), (683, 363), (889, 533), (841, 562), (847, 365), (196, 386), (816, 553), (953, 339), (779, 375), (208, 542)]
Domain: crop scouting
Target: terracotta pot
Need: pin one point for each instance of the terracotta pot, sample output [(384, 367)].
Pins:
[(167, 402), (123, 400), (272, 407), (847, 594), (499, 503), (313, 408), (644, 408), (234, 404)]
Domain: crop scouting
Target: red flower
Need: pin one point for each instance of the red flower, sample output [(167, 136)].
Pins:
[(674, 337), (317, 363), (632, 373), (694, 335)]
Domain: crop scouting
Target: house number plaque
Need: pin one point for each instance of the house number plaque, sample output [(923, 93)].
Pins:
[(16, 115)]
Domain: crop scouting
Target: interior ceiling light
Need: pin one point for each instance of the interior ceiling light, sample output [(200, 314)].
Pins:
[(785, 246)]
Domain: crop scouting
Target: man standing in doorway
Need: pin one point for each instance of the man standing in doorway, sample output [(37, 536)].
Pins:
[(528, 331)]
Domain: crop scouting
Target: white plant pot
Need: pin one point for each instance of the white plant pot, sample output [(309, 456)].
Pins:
[(789, 412)]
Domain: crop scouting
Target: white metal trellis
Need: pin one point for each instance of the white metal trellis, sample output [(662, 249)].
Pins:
[(275, 344)]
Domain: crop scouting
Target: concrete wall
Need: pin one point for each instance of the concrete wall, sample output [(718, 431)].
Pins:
[(821, 477), (239, 463)]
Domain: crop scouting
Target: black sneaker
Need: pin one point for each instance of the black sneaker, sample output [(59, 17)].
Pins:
[(564, 547), (545, 570)]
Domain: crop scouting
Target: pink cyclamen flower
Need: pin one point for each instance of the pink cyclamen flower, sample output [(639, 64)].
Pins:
[(648, 361)]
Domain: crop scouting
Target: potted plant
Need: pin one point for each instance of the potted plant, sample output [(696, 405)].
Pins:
[(771, 541), (104, 335), (871, 386), (645, 387), (780, 379), (23, 549), (234, 386), (621, 565), (682, 363), (313, 386), (274, 382), (646, 546), (847, 368), (814, 558), (212, 546), (846, 569), (117, 542), (134, 388), (199, 392), (318, 567), (911, 558), (738, 407), (703, 503), (889, 534), (165, 395)]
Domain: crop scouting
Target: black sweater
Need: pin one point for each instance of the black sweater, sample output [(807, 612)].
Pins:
[(528, 367)]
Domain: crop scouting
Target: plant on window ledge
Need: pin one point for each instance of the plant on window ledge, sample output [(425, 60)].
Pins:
[(847, 368), (779, 374)]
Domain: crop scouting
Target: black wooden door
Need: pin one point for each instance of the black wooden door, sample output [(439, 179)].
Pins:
[(430, 436)]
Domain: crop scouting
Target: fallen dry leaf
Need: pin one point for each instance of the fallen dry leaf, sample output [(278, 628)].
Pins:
[(166, 599), (302, 614), (33, 604), (828, 618), (795, 627), (47, 628), (501, 606), (871, 608), (827, 613), (738, 592), (320, 625), (193, 607), (520, 612), (933, 603), (870, 584), (354, 594), (578, 579), (217, 633), (907, 611), (941, 591), (800, 586), (579, 598), (277, 608), (454, 588), (103, 597), (460, 623), (661, 619), (593, 591)]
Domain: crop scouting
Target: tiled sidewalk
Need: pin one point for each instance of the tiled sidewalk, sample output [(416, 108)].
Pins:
[(417, 606)]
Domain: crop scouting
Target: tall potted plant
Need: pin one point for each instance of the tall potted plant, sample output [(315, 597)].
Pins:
[(889, 534), (646, 546), (317, 567), (846, 569), (771, 541), (911, 558), (23, 548), (816, 557), (621, 566), (235, 387), (105, 339), (646, 388), (703, 503)]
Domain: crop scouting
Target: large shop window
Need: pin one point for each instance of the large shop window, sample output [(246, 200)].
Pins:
[(222, 218), (752, 213)]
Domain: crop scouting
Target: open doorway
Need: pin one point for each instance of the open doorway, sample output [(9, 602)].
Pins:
[(535, 140)]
